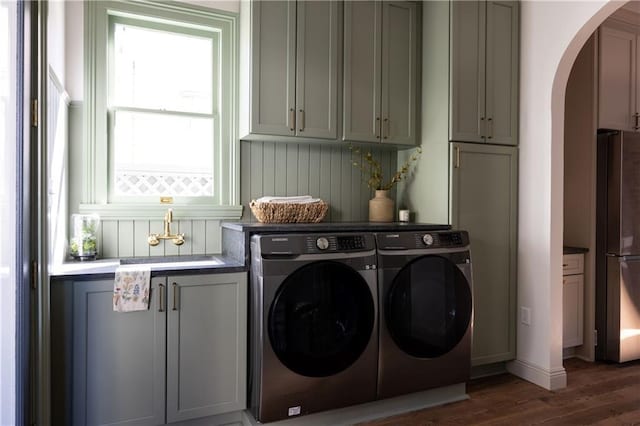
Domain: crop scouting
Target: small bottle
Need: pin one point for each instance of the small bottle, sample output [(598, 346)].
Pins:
[(403, 215)]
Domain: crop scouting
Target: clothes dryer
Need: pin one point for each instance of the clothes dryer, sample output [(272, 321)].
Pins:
[(426, 310), (313, 342)]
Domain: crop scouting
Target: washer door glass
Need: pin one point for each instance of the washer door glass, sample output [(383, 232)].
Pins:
[(428, 307), (321, 319)]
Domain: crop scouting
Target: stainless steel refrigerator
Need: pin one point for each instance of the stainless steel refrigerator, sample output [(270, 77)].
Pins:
[(618, 246)]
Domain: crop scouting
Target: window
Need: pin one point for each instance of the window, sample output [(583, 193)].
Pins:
[(160, 110)]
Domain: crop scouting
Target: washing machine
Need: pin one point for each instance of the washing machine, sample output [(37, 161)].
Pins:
[(426, 310), (313, 341)]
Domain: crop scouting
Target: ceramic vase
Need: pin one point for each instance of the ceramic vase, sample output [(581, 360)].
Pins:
[(381, 207)]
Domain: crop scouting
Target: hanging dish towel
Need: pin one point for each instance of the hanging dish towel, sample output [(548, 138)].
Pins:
[(131, 288)]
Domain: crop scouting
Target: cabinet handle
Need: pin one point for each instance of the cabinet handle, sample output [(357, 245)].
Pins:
[(490, 125), (385, 128), (635, 116), (175, 296), (161, 298), (481, 126), (457, 163), (377, 127), (564, 265), (292, 120), (302, 126)]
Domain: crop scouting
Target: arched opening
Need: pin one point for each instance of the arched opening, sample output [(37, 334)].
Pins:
[(552, 34), (593, 101)]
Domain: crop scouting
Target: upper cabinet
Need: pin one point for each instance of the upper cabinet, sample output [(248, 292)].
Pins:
[(294, 52), (484, 72), (618, 74), (381, 71)]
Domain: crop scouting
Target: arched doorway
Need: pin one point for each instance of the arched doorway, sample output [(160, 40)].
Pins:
[(552, 34)]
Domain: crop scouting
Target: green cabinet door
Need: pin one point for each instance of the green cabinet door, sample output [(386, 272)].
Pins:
[(484, 72), (399, 72), (484, 202), (318, 61), (502, 72), (118, 358), (206, 345), (381, 55), (273, 67), (295, 62)]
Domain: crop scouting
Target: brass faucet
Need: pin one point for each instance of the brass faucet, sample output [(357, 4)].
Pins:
[(177, 239)]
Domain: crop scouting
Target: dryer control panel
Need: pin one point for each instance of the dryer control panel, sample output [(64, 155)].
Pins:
[(422, 240)]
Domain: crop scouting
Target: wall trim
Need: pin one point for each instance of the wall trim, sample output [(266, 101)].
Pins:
[(157, 211), (548, 379)]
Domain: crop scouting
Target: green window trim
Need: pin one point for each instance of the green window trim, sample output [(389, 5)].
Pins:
[(95, 168)]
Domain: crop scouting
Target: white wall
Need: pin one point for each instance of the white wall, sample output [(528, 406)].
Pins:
[(552, 34), (56, 37)]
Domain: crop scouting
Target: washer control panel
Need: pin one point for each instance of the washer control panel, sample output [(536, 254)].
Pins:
[(297, 244)]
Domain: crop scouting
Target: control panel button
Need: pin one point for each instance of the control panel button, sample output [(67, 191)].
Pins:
[(427, 239), (322, 243)]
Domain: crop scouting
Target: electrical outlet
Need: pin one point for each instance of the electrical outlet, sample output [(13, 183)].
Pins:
[(525, 315)]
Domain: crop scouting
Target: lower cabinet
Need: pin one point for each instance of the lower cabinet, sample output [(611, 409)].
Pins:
[(484, 202), (183, 358), (572, 299)]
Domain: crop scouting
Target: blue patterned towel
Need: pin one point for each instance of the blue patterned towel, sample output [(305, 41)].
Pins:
[(131, 288)]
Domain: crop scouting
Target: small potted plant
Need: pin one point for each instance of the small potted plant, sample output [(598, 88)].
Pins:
[(83, 244), (381, 206)]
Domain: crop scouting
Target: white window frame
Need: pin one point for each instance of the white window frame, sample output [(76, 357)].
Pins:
[(96, 168)]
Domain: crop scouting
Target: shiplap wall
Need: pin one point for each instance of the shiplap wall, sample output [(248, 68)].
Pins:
[(128, 238), (320, 170), (267, 168)]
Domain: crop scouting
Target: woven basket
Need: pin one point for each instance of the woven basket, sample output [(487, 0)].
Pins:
[(289, 212)]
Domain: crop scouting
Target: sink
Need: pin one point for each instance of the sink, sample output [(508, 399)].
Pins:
[(169, 259)]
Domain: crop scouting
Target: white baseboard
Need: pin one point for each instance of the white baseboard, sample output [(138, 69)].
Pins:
[(551, 380)]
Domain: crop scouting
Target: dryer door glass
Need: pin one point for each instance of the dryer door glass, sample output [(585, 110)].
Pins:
[(428, 307), (321, 319)]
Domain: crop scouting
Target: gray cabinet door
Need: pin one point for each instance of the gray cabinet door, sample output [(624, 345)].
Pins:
[(617, 79), (483, 202), (362, 68), (467, 104), (502, 72), (484, 72), (273, 65), (317, 58), (206, 345), (118, 358), (399, 72)]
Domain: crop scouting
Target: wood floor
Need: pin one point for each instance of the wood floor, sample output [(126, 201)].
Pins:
[(597, 393)]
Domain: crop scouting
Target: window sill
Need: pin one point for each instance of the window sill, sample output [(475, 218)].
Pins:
[(157, 211)]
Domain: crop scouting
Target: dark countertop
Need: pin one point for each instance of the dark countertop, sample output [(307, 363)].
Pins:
[(236, 236), (574, 250), (257, 227), (217, 264)]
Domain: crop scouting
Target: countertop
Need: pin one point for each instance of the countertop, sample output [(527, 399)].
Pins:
[(214, 264), (574, 250), (257, 227)]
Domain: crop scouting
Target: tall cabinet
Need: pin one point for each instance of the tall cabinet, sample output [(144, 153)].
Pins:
[(380, 71), (484, 203), (484, 72), (295, 58), (183, 358), (468, 179)]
